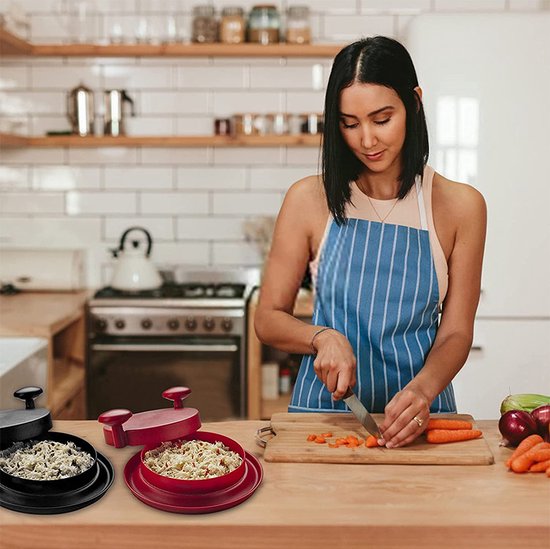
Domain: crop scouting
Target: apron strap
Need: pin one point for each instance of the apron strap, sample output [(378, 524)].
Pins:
[(421, 204)]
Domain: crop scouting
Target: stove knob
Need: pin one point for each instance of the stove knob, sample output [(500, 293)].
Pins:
[(100, 325), (173, 324), (146, 324), (208, 323), (191, 324), (120, 324), (227, 324)]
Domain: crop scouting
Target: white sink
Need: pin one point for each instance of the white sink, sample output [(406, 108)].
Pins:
[(23, 361)]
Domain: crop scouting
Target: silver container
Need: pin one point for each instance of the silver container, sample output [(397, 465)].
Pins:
[(80, 110), (114, 111)]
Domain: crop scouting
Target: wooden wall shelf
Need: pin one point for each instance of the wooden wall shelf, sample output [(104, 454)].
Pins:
[(13, 45), (74, 141)]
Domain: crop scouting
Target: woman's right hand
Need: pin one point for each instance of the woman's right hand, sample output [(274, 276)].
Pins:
[(335, 363)]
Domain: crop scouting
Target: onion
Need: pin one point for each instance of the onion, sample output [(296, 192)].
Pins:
[(516, 425), (541, 416)]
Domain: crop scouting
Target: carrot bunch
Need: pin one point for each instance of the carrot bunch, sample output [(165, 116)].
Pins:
[(440, 431), (350, 441), (531, 456)]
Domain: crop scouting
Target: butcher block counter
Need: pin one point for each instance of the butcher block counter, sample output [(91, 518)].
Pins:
[(310, 505), (58, 317)]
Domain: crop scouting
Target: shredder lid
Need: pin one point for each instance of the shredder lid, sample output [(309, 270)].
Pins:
[(122, 428)]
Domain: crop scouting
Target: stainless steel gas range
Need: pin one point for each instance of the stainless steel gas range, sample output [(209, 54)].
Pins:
[(191, 332)]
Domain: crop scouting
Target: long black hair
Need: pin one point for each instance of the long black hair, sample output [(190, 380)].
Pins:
[(377, 60)]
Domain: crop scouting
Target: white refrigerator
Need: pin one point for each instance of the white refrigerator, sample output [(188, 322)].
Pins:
[(486, 92)]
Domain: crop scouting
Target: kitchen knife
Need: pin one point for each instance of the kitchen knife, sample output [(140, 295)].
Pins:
[(361, 413)]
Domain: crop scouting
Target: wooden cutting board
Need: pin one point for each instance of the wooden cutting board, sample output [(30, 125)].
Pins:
[(290, 431)]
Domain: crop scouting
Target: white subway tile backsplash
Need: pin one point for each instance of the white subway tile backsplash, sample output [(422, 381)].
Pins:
[(250, 203), (39, 125), (173, 155), (395, 5), (351, 28), (61, 27), (469, 5), (14, 178), (150, 125), (174, 203), (236, 254), (303, 77), (36, 102), (138, 177), (528, 5), (243, 156), (31, 203), (227, 103), (328, 6), (210, 228), (107, 155), (305, 102), (210, 77), (182, 253), (13, 77), (307, 155), (65, 178), (160, 228), (31, 6), (279, 178), (218, 177), (137, 77), (33, 156), (83, 203), (173, 102), (51, 231), (65, 78), (194, 125)]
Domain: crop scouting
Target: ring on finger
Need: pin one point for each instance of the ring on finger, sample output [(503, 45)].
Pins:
[(418, 421)]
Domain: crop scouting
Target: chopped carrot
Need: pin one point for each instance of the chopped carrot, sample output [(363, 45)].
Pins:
[(540, 467), (525, 445), (311, 438), (330, 445), (548, 472), (327, 435), (341, 441), (448, 424), (320, 440), (438, 436), (352, 438), (371, 442), (539, 452)]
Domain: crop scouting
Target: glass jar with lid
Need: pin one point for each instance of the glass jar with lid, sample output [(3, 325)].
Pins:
[(232, 25), (264, 24), (205, 24), (298, 29)]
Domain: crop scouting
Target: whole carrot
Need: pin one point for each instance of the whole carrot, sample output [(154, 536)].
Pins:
[(540, 452), (540, 467), (525, 445), (439, 436), (448, 424)]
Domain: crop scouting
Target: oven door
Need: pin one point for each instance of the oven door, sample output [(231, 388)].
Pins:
[(132, 373)]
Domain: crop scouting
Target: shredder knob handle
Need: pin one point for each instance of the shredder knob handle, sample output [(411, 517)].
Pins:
[(177, 395), (115, 419), (28, 394)]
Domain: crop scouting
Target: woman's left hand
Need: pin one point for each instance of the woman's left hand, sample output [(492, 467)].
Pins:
[(406, 417)]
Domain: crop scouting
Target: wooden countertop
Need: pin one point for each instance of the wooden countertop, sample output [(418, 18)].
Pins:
[(311, 505), (39, 314)]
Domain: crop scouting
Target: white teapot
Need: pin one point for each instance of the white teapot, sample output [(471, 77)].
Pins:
[(134, 270)]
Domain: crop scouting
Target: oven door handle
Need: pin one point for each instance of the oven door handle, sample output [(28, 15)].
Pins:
[(216, 348)]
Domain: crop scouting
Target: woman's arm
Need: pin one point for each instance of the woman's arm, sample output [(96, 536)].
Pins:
[(455, 334), (297, 235)]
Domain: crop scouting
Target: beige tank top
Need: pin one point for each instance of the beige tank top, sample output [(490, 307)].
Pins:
[(415, 210)]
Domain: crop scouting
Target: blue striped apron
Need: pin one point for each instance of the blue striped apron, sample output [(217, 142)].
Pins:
[(377, 285)]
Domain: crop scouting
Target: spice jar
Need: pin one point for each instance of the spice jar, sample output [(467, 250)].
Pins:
[(205, 25), (264, 23), (232, 25), (222, 126), (243, 124), (298, 30)]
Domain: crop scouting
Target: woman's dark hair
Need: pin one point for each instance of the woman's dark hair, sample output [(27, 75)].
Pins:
[(386, 62)]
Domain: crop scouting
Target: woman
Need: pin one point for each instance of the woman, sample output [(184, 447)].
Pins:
[(390, 243)]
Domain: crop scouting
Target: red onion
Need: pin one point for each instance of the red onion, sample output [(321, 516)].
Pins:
[(516, 425), (541, 416)]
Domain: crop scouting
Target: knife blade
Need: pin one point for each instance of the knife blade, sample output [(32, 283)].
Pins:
[(361, 413)]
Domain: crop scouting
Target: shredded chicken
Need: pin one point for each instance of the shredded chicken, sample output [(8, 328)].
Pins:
[(45, 460), (192, 460)]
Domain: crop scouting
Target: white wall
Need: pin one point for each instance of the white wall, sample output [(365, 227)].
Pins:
[(193, 201)]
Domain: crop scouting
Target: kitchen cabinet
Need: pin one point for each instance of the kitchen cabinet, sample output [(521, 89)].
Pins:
[(311, 505), (58, 317), (259, 408)]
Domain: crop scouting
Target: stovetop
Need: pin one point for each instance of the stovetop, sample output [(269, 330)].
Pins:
[(178, 290)]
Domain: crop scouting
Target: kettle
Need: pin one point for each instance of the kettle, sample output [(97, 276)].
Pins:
[(134, 270), (80, 110), (114, 111)]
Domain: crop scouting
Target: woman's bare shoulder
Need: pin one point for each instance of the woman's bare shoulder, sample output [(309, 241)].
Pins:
[(460, 201), (308, 194)]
